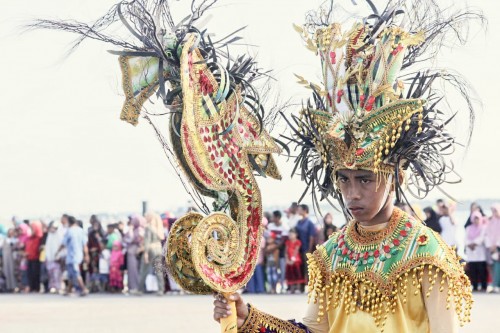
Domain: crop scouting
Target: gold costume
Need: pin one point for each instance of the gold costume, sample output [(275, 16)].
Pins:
[(399, 278)]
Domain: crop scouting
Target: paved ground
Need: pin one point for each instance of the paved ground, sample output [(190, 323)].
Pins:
[(123, 314)]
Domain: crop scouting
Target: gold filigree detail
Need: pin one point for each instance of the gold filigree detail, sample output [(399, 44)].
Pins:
[(257, 319)]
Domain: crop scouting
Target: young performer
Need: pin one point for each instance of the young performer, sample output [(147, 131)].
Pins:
[(369, 131)]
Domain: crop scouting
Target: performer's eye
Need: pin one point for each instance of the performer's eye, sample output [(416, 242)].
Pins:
[(365, 181), (342, 179)]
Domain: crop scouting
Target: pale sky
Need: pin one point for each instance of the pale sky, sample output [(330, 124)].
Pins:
[(63, 147)]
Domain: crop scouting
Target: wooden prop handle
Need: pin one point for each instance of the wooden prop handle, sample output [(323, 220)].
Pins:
[(230, 324)]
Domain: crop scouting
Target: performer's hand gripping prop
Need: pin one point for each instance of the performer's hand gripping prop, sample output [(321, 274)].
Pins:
[(217, 136)]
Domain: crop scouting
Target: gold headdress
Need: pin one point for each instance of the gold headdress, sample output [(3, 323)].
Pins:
[(370, 112)]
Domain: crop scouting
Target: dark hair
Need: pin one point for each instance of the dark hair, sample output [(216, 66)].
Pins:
[(439, 201), (294, 230), (267, 215), (294, 204), (277, 214), (329, 227), (305, 208), (71, 219), (433, 220), (94, 219)]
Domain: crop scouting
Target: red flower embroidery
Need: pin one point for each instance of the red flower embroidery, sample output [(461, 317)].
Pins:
[(423, 239)]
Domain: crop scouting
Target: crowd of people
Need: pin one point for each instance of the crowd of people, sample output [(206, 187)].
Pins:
[(481, 244), (62, 258), (126, 257)]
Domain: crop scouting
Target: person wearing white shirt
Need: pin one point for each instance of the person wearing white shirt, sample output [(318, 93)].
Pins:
[(448, 227), (292, 216)]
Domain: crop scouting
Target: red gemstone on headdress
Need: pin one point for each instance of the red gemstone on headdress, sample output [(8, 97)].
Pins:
[(408, 225), (396, 242), (344, 251), (397, 50), (403, 233), (369, 104), (333, 57), (340, 93), (376, 253), (365, 256), (359, 151), (387, 248)]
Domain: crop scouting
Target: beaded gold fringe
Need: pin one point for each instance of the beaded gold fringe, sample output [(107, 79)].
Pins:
[(257, 319), (358, 292)]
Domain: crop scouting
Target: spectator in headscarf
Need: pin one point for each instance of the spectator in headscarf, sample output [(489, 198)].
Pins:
[(8, 260), (492, 243), (474, 207), (3, 239), (153, 236), (53, 260), (21, 263), (135, 247), (476, 252)]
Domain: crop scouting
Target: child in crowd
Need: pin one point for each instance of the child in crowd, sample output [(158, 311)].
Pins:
[(294, 276), (115, 262), (104, 263), (272, 262)]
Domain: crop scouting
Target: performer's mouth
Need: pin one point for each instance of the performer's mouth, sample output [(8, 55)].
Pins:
[(355, 210)]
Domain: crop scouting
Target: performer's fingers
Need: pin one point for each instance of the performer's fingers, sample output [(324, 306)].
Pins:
[(235, 298), (221, 305), (221, 313)]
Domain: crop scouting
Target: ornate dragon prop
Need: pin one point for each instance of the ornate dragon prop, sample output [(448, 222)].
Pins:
[(217, 134)]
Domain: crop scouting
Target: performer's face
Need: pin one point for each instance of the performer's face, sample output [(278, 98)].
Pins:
[(364, 198)]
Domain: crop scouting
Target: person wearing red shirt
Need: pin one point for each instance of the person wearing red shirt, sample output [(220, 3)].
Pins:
[(33, 255)]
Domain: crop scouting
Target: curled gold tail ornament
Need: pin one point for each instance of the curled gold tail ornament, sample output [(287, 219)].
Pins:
[(221, 145)]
